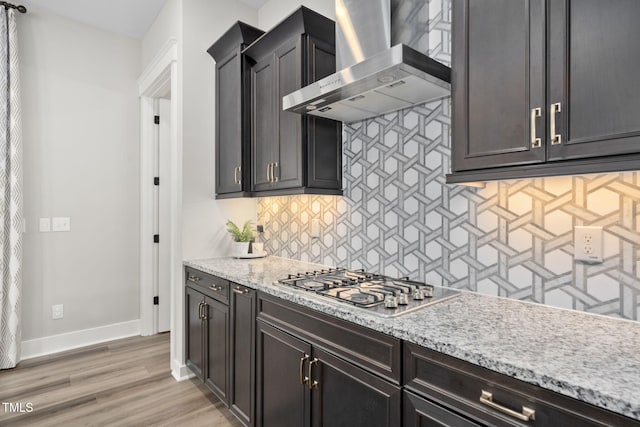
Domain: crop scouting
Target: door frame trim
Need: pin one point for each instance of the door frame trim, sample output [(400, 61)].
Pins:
[(159, 78)]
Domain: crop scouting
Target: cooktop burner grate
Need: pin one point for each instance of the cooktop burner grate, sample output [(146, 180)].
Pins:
[(382, 294)]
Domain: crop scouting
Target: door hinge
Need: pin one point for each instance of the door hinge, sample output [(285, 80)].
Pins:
[(156, 120), (156, 300), (156, 238), (156, 180)]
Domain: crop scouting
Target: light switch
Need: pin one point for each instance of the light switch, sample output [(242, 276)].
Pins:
[(45, 225), (62, 224)]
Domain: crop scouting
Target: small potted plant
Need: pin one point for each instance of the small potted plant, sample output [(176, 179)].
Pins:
[(241, 237)]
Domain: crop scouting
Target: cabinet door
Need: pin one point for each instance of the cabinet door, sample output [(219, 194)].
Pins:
[(419, 412), (217, 320), (282, 400), (194, 332), (349, 396), (263, 132), (593, 62), (323, 136), (242, 356), (288, 169), (229, 124), (498, 79)]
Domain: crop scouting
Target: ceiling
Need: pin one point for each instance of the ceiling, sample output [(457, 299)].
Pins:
[(129, 17)]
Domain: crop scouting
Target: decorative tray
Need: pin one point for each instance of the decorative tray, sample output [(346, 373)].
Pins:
[(251, 256)]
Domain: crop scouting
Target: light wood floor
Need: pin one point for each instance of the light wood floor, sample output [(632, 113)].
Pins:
[(123, 383)]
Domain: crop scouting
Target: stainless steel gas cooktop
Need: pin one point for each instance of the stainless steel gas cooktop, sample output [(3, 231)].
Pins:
[(377, 293)]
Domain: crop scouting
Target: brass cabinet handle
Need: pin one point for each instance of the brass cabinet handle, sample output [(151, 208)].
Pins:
[(194, 278), (205, 314), (303, 378), (527, 414), (312, 383), (215, 288), (268, 172), (273, 173), (236, 171), (535, 142), (241, 291), (201, 311), (556, 139)]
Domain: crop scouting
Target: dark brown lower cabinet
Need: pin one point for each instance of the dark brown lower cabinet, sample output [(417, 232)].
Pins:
[(207, 340), (419, 412), (194, 333), (344, 395), (242, 353), (300, 384), (452, 387), (217, 345), (282, 398)]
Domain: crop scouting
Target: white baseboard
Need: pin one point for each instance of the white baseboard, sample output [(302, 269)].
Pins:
[(180, 372), (70, 340)]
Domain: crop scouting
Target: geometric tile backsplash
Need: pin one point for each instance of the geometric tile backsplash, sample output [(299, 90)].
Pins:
[(511, 238)]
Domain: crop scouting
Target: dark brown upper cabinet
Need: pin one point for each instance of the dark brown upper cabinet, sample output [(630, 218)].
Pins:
[(544, 88), (290, 153), (233, 121)]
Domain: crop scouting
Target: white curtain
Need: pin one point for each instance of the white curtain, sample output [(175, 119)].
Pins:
[(11, 213)]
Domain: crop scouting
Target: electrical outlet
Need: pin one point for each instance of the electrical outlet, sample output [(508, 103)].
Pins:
[(57, 311), (587, 244)]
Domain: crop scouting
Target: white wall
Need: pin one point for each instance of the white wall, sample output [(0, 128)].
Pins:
[(274, 11), (80, 116), (204, 234), (167, 25)]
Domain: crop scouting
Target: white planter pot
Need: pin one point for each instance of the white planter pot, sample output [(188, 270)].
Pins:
[(239, 249)]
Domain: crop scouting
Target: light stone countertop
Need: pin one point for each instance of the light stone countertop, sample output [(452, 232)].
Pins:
[(589, 357)]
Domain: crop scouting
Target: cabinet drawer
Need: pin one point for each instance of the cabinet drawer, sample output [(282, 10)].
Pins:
[(421, 412), (369, 349), (459, 385), (210, 285)]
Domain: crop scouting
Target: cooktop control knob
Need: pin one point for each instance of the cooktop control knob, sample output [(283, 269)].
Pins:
[(390, 302), (403, 299), (418, 294)]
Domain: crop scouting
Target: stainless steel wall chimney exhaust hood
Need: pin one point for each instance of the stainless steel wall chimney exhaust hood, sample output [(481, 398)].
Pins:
[(375, 78)]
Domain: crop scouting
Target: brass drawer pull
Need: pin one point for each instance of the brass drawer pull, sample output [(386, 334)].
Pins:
[(527, 414), (241, 291), (535, 141), (194, 278), (312, 383), (215, 288), (303, 378), (556, 139)]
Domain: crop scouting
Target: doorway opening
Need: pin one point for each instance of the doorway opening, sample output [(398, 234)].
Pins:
[(161, 205)]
